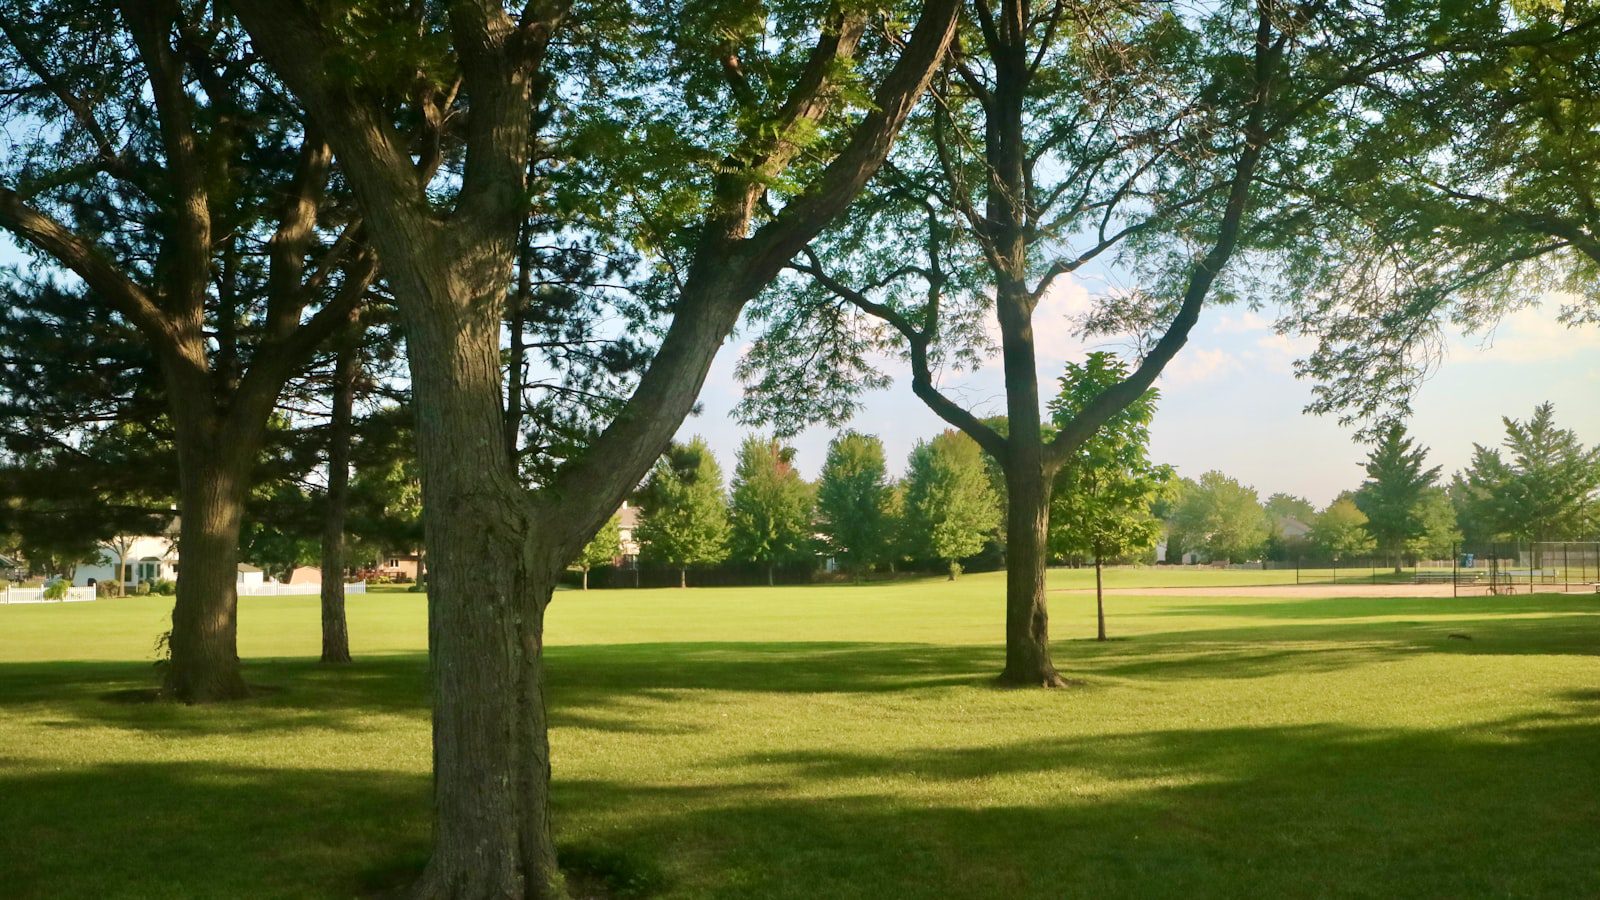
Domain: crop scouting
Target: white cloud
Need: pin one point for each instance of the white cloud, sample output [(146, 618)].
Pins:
[(1199, 364), (1055, 323), (1248, 322), (1527, 335), (1277, 352), (1055, 320)]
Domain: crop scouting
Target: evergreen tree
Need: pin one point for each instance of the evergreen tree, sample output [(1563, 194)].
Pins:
[(685, 511), (852, 501), (180, 194), (1392, 496), (385, 513), (950, 508), (1481, 497), (1543, 489), (770, 509), (602, 549)]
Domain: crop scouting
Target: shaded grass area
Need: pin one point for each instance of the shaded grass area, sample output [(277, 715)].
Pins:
[(845, 742)]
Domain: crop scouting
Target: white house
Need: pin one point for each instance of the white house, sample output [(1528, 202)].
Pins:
[(136, 558), (146, 557), (628, 521)]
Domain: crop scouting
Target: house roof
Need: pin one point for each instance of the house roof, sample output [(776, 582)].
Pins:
[(246, 567), (1292, 527), (628, 516)]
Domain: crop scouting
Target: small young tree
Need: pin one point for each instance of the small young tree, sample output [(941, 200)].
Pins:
[(1100, 505), (950, 505), (603, 550), (770, 512), (852, 501), (1341, 531), (1392, 495), (685, 511)]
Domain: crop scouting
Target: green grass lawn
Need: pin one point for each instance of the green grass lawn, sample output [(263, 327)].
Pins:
[(844, 742)]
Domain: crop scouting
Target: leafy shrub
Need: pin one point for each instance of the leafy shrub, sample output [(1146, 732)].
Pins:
[(166, 587), (142, 589), (56, 589), (106, 588)]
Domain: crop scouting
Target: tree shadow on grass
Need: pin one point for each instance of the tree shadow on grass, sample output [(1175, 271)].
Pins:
[(590, 686), (619, 688), (204, 830), (289, 695), (1509, 810)]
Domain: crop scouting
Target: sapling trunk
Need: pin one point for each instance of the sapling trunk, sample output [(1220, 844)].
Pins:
[(1099, 599)]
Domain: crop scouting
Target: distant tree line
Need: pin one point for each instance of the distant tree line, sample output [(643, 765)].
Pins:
[(945, 514), (1540, 484)]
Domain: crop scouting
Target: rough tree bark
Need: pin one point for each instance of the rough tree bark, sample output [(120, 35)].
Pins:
[(486, 600), (497, 551), (1028, 660), (335, 629), (204, 642)]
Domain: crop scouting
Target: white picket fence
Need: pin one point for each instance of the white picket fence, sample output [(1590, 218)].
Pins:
[(79, 594), (36, 595), (273, 589)]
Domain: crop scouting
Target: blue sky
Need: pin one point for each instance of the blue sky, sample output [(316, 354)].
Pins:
[(1230, 400)]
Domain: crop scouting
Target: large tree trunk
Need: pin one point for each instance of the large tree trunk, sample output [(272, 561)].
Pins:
[(205, 638), (495, 569), (335, 629), (1027, 620), (492, 834), (489, 582)]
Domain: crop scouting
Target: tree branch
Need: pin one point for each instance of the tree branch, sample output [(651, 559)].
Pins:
[(1114, 399), (87, 262)]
